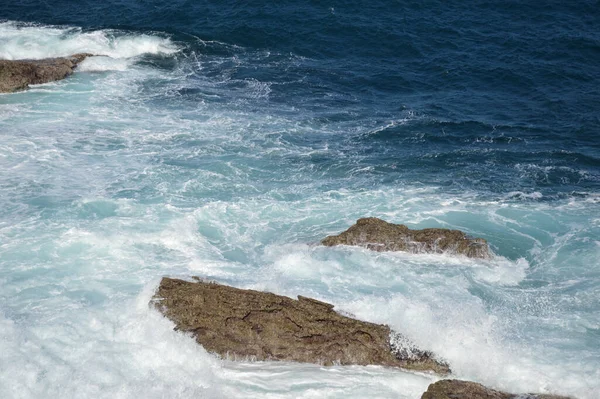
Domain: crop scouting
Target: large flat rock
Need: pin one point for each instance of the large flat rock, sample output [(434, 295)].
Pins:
[(457, 389), (379, 235), (19, 74), (248, 324)]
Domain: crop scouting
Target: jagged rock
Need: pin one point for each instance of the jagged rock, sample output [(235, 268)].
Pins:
[(19, 74), (455, 389), (379, 235), (249, 324)]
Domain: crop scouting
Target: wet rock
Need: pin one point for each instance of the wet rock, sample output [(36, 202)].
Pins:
[(455, 389), (19, 74), (250, 324), (379, 235)]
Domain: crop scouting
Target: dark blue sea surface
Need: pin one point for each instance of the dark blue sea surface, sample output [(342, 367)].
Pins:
[(501, 96), (225, 140)]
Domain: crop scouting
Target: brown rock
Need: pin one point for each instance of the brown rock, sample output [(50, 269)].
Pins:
[(19, 74), (457, 389), (257, 325), (379, 235)]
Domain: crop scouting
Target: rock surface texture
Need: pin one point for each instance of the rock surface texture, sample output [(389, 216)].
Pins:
[(379, 235), (249, 324), (457, 389), (19, 74)]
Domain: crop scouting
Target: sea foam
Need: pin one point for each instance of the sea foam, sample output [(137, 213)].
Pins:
[(33, 41)]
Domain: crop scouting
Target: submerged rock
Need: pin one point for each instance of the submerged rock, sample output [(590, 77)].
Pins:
[(454, 389), (379, 235), (250, 324), (19, 74)]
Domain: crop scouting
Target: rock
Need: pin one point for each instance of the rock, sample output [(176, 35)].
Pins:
[(379, 235), (19, 74), (454, 389), (257, 325)]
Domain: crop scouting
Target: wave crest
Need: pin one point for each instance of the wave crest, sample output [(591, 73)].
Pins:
[(29, 41)]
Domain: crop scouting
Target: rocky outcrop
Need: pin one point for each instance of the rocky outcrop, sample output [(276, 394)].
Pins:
[(19, 74), (454, 389), (249, 324), (379, 235)]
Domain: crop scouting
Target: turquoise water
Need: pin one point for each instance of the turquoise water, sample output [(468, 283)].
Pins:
[(229, 150)]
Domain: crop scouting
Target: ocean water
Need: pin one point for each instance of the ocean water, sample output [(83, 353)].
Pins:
[(226, 139)]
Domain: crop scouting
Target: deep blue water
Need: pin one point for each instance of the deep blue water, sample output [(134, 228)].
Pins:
[(507, 96), (224, 139)]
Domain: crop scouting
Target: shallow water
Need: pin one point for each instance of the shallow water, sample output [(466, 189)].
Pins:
[(226, 141)]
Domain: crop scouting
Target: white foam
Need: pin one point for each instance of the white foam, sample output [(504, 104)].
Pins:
[(92, 353), (283, 380), (19, 41), (93, 64), (426, 297)]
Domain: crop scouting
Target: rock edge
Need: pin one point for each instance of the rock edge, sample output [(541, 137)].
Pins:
[(248, 324), (379, 235), (454, 389), (17, 75)]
